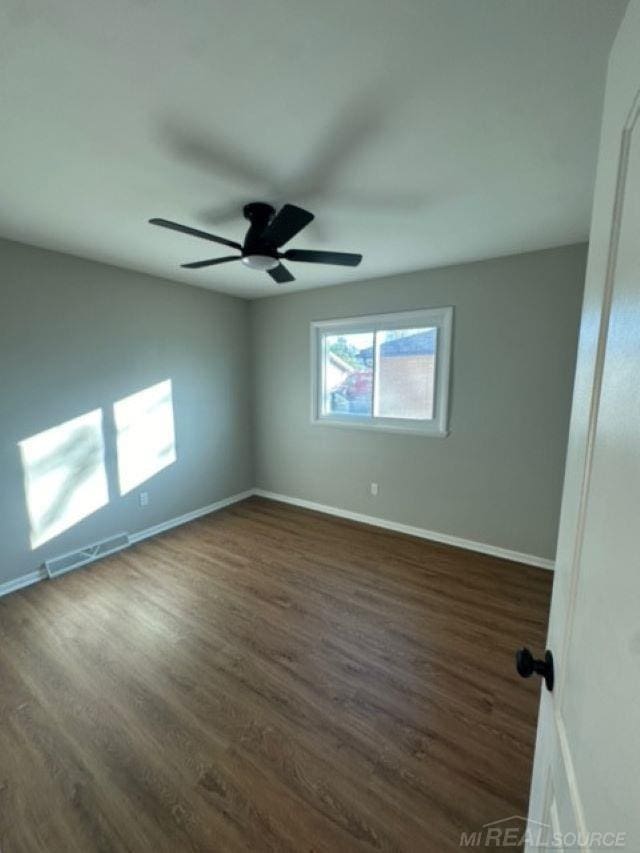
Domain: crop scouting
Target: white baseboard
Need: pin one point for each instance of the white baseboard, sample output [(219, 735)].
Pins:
[(420, 532), (188, 516), (22, 581), (468, 544), (41, 573)]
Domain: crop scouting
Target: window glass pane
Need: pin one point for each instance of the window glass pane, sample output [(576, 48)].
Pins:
[(348, 374), (405, 373)]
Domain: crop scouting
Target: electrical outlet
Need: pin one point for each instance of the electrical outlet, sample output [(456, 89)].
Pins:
[(374, 489), (143, 498)]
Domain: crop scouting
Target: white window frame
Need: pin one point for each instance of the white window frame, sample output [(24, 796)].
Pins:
[(438, 318)]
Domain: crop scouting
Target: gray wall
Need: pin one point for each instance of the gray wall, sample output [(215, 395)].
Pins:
[(497, 478), (77, 335)]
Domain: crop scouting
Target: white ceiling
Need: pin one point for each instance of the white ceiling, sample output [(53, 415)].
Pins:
[(419, 132)]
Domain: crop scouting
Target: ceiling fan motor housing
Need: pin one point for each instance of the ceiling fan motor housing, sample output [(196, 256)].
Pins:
[(257, 253), (259, 214)]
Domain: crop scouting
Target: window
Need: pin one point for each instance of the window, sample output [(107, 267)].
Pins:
[(388, 372)]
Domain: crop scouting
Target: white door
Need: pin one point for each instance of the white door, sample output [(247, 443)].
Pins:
[(586, 778)]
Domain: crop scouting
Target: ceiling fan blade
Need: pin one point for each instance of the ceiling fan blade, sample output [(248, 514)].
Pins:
[(196, 265), (281, 274), (286, 224), (184, 229), (344, 259)]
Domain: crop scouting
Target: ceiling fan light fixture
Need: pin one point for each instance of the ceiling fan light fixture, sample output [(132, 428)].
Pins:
[(260, 262)]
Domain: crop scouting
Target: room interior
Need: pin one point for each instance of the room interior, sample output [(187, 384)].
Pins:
[(237, 611)]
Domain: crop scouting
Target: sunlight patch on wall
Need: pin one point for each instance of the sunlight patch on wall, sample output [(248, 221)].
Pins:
[(64, 475), (145, 434)]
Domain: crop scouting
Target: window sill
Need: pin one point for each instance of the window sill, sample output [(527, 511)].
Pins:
[(431, 432)]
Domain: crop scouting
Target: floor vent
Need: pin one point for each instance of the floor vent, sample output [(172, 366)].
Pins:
[(60, 565)]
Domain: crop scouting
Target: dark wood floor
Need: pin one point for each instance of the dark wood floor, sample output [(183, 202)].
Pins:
[(268, 678)]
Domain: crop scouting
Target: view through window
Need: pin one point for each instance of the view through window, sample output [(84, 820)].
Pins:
[(388, 374)]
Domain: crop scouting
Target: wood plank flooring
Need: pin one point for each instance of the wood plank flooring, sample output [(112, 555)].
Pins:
[(268, 678)]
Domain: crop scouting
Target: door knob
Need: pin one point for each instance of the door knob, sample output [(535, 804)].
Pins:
[(526, 665)]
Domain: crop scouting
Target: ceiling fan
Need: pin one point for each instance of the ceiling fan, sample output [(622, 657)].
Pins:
[(267, 233)]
